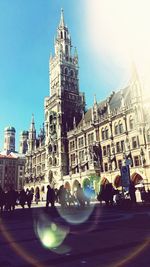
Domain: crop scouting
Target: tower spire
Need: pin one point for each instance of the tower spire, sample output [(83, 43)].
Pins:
[(32, 126), (95, 100), (62, 22)]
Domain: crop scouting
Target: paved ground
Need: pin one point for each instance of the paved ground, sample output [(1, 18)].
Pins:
[(94, 237)]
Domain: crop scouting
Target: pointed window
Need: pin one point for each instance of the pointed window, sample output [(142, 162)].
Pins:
[(120, 127), (50, 148), (50, 161), (106, 133), (103, 134), (66, 49), (55, 148), (71, 73), (148, 136), (61, 34), (66, 71), (131, 123), (55, 161), (116, 128)]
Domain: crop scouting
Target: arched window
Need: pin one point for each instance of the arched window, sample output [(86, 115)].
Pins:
[(66, 71), (55, 161), (66, 49), (131, 123), (116, 128), (66, 85), (72, 73), (120, 127), (106, 133), (50, 119), (65, 36), (103, 134), (148, 136), (61, 35), (50, 161), (55, 148), (50, 148)]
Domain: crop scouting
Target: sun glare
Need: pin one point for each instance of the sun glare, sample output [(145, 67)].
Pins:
[(120, 29)]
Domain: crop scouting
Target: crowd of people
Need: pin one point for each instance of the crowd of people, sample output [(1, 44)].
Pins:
[(63, 196), (132, 195), (80, 198), (11, 198)]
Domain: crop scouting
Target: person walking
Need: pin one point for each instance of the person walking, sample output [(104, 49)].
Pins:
[(50, 197)]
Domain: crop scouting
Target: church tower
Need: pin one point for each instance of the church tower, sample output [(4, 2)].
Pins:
[(31, 136), (9, 139), (23, 144), (65, 103)]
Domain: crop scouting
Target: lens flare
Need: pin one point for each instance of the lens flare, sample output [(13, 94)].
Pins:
[(50, 234), (119, 32), (76, 215)]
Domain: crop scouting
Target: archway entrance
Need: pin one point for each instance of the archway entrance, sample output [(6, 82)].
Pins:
[(86, 183), (104, 181), (117, 181), (67, 186), (136, 178)]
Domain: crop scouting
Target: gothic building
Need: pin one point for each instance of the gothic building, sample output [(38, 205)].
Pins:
[(75, 145)]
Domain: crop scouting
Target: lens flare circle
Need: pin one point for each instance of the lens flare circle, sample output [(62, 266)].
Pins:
[(50, 234), (76, 215)]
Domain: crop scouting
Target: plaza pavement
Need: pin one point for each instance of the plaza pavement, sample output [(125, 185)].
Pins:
[(105, 237)]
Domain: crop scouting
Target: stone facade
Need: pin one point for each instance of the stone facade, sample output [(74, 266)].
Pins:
[(12, 169), (86, 146)]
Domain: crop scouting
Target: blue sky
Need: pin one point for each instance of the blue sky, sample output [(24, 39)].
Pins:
[(27, 30)]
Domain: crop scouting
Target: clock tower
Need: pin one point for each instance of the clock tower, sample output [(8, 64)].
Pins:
[(64, 105)]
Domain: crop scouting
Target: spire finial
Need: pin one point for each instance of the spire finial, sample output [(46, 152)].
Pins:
[(62, 22), (32, 127), (75, 52), (95, 101), (32, 120)]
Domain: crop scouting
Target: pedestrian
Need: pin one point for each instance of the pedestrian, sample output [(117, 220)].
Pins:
[(80, 196), (29, 197), (37, 195), (50, 197), (11, 198), (132, 193), (22, 198)]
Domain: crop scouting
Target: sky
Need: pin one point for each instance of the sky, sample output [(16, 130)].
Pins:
[(109, 36)]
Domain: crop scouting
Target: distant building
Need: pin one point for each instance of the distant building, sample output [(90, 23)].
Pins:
[(12, 164), (90, 146), (9, 139), (12, 171)]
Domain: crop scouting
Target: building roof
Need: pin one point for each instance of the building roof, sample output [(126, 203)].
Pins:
[(6, 156), (24, 132), (10, 128), (114, 101)]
